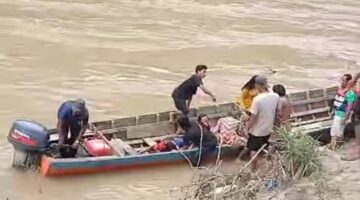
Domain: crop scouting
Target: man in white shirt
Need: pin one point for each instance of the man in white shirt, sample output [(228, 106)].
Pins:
[(263, 113)]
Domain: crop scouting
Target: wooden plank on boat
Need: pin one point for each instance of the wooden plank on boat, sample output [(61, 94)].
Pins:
[(218, 115), (212, 116), (99, 133), (311, 101), (136, 141), (163, 136), (118, 147), (149, 130), (208, 110), (312, 126), (310, 112), (123, 146), (149, 141), (300, 123), (316, 93)]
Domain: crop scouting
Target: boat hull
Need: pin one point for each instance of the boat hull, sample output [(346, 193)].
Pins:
[(88, 165)]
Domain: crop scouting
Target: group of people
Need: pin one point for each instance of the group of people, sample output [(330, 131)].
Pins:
[(262, 110)]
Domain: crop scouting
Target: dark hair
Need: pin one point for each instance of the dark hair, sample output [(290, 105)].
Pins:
[(348, 77), (279, 89), (200, 67), (79, 104), (200, 117), (250, 84), (183, 122)]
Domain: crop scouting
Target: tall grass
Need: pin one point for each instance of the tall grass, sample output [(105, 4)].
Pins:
[(301, 153)]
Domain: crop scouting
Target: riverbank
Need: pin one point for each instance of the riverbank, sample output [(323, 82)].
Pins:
[(323, 175), (343, 178)]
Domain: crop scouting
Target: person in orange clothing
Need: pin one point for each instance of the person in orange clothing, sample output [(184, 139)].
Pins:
[(248, 92)]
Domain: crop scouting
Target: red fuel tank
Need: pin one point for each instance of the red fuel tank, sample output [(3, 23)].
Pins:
[(97, 147)]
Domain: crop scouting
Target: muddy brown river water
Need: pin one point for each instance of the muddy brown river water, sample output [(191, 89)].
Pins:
[(126, 56)]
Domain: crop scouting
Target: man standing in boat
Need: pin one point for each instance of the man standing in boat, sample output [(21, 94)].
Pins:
[(182, 94), (73, 116)]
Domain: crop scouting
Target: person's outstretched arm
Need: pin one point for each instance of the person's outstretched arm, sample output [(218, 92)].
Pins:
[(206, 91)]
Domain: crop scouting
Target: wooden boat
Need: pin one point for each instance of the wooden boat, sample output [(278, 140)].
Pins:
[(311, 112)]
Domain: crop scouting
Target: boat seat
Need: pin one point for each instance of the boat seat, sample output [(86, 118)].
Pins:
[(311, 116), (134, 142), (302, 123), (311, 107), (149, 130), (310, 112), (308, 101), (313, 126)]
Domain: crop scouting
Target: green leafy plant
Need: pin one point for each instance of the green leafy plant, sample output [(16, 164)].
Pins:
[(301, 153)]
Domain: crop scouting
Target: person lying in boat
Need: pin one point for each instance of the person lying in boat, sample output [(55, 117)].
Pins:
[(167, 144), (284, 106), (173, 143), (196, 135), (248, 92), (229, 131), (73, 117), (183, 93), (343, 104)]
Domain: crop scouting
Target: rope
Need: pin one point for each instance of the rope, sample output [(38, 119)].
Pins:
[(219, 153), (200, 148), (201, 142), (182, 153)]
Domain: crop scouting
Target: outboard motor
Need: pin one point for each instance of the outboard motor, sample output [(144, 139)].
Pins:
[(30, 140)]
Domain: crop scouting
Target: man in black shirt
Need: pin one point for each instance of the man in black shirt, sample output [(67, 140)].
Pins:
[(182, 94)]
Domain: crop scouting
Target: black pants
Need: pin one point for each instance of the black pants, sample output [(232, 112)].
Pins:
[(256, 142), (181, 105), (74, 133), (67, 151)]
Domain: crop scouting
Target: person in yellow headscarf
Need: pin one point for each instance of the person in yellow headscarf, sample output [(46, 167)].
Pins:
[(248, 92)]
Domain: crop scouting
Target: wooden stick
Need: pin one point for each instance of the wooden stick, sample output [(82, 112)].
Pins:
[(299, 173), (118, 153), (254, 157), (248, 163)]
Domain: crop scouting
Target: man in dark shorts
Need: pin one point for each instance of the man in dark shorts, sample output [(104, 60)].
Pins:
[(73, 116), (263, 112), (182, 94)]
